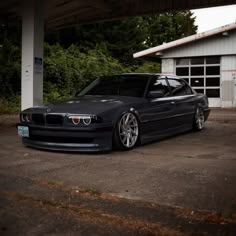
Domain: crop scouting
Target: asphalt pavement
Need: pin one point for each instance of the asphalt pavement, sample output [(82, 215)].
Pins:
[(192, 173)]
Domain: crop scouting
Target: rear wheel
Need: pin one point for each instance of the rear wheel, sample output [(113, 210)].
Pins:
[(126, 132), (198, 123)]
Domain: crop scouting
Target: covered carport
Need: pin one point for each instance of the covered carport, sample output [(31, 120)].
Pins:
[(39, 15)]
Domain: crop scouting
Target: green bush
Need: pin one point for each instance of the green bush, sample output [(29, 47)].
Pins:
[(148, 67), (67, 70), (10, 105)]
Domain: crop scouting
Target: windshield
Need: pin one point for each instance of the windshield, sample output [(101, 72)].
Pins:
[(118, 85)]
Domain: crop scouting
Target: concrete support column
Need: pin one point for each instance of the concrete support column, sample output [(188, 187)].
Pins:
[(32, 53)]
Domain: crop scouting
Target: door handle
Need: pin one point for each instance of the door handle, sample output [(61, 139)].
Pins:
[(172, 102)]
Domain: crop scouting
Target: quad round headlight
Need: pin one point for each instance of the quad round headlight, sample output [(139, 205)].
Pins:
[(22, 117), (76, 120), (87, 120), (26, 117), (82, 119)]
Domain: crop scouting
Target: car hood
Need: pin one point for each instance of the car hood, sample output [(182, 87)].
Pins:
[(87, 104)]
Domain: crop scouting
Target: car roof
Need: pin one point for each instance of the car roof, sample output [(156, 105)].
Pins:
[(153, 74)]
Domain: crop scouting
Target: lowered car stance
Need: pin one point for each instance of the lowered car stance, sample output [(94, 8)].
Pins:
[(119, 111)]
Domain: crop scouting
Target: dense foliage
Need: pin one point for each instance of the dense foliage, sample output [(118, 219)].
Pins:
[(69, 69), (75, 56)]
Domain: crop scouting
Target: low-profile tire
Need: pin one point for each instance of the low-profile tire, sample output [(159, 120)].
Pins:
[(199, 120), (126, 133)]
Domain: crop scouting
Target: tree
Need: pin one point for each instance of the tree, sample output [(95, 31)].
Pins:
[(124, 37), (121, 38), (10, 30), (166, 27), (10, 69)]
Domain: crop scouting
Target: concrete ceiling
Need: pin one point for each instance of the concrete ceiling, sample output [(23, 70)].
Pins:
[(64, 13)]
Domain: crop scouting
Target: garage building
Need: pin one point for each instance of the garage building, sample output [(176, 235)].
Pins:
[(207, 61)]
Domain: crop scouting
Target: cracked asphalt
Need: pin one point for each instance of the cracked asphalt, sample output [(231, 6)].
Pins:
[(183, 185)]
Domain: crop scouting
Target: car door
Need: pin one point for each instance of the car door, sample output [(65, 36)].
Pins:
[(157, 115), (184, 98)]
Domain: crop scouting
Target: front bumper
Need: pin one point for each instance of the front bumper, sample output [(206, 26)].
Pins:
[(88, 139)]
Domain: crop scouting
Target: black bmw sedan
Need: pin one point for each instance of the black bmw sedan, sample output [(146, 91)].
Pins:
[(118, 111)]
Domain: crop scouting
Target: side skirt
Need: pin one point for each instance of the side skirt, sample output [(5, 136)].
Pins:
[(167, 133)]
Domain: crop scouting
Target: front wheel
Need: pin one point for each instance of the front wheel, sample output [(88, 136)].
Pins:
[(126, 131), (198, 123)]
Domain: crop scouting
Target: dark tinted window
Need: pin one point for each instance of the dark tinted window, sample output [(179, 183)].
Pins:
[(159, 85), (199, 90), (179, 87), (186, 80), (120, 85)]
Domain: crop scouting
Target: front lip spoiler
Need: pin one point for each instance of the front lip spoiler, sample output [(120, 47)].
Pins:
[(70, 147)]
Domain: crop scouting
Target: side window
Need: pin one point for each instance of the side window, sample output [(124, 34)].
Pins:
[(159, 85), (179, 87)]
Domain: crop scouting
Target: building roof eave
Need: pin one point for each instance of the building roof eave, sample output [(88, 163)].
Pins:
[(158, 49)]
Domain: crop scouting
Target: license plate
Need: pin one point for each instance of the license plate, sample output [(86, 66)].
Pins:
[(23, 131)]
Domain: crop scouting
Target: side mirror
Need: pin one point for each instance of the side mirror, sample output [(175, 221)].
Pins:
[(156, 94)]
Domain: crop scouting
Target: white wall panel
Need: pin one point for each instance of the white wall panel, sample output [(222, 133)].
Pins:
[(217, 45), (228, 74), (167, 66)]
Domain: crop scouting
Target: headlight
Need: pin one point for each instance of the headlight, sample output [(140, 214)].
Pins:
[(87, 120), (26, 117), (75, 120), (84, 119)]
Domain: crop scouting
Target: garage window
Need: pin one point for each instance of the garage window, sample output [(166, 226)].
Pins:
[(212, 70), (202, 73), (197, 60), (213, 82), (197, 70), (212, 60), (182, 61), (213, 93), (197, 82), (182, 71)]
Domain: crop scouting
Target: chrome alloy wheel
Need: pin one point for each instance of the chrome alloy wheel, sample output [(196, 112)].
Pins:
[(128, 130), (199, 119)]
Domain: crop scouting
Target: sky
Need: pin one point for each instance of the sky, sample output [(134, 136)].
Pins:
[(214, 17)]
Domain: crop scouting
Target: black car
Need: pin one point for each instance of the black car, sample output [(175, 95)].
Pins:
[(118, 111)]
